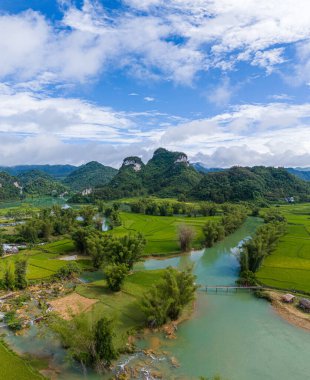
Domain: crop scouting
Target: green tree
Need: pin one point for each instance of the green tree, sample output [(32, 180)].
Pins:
[(9, 278), (87, 213), (104, 346), (20, 274), (115, 275), (127, 249), (186, 235), (167, 299), (213, 232)]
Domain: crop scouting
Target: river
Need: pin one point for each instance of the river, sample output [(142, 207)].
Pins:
[(231, 334), (235, 335)]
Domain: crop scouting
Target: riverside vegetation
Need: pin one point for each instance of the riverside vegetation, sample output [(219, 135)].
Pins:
[(50, 233), (103, 272)]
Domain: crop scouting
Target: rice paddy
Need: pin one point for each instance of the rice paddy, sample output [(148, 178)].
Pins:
[(288, 267)]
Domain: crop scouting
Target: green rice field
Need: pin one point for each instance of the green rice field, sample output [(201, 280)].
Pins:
[(14, 367), (160, 231), (288, 266)]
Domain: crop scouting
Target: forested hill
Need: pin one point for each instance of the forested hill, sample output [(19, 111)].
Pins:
[(56, 171), (167, 174), (90, 175), (243, 183), (35, 182), (9, 187), (300, 173)]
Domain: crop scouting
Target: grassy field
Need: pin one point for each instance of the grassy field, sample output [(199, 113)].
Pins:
[(160, 231), (14, 367), (43, 260), (121, 307), (289, 265)]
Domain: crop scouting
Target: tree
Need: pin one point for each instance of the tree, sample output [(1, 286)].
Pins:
[(115, 275), (213, 232), (127, 249), (88, 341), (20, 274), (186, 236), (105, 350), (9, 278), (167, 299), (80, 236), (70, 271), (87, 213)]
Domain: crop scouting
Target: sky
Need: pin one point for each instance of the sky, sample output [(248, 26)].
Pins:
[(225, 81)]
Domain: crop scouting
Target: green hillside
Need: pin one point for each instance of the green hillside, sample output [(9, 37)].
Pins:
[(243, 184), (167, 174), (9, 187), (36, 182), (90, 175), (56, 171)]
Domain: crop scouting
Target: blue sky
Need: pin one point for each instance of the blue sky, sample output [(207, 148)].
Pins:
[(227, 82)]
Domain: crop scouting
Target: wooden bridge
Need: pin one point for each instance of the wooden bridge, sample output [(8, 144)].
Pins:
[(224, 288)]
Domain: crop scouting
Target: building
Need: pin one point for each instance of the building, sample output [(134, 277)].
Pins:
[(288, 298), (304, 304), (10, 249)]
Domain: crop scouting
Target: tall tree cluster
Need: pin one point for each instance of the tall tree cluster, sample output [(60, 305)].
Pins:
[(233, 217), (166, 300), (260, 246)]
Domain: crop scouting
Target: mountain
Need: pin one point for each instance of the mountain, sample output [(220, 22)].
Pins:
[(300, 173), (89, 176), (244, 183), (201, 168), (9, 187), (36, 182), (56, 171), (167, 174)]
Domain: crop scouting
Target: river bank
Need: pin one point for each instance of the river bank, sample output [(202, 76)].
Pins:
[(288, 311)]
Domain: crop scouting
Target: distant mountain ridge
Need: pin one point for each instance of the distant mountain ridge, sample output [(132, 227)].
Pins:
[(56, 171), (166, 174), (303, 173)]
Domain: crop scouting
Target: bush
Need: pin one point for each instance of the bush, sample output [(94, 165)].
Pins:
[(70, 271), (115, 276)]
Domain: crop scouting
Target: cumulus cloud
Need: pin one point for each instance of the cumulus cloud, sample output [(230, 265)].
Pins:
[(41, 129), (270, 134), (171, 40)]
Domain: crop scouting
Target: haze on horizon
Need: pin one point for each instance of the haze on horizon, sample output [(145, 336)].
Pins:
[(227, 82)]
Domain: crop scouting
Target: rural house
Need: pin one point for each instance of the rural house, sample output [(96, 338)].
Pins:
[(304, 304)]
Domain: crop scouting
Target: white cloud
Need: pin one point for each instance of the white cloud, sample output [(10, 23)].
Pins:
[(270, 134), (41, 129), (221, 95), (171, 40), (149, 99)]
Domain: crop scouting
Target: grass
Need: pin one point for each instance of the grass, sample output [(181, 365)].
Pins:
[(288, 267), (160, 231), (43, 260), (122, 307), (13, 367)]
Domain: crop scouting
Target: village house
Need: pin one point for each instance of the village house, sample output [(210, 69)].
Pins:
[(304, 304), (288, 298), (10, 249)]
